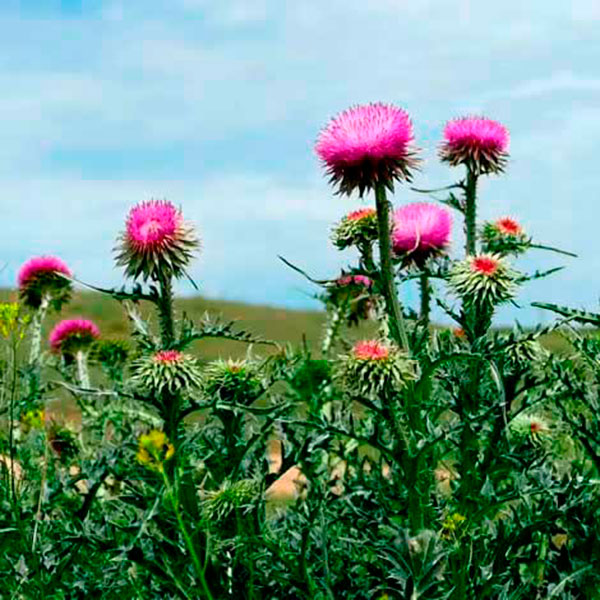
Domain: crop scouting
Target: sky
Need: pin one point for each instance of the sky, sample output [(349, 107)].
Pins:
[(216, 104)]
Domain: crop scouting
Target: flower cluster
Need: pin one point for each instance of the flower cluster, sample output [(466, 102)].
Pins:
[(154, 449), (73, 335), (368, 145), (44, 278), (504, 236), (357, 229), (479, 143), (421, 231), (372, 367), (168, 371), (157, 241), (485, 279)]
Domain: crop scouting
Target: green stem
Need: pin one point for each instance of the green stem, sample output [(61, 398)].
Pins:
[(425, 298), (186, 536), (82, 369), (471, 212), (165, 311), (394, 309), (36, 332)]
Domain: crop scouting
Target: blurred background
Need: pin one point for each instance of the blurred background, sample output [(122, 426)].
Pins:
[(216, 104)]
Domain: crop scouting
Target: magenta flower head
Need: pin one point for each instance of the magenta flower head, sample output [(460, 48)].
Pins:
[(479, 143), (166, 371), (368, 145), (504, 236), (41, 279), (421, 230), (157, 241), (72, 335), (352, 294)]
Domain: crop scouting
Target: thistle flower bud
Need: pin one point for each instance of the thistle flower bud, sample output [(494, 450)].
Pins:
[(504, 236), (373, 366), (485, 279), (167, 371), (232, 381), (357, 229)]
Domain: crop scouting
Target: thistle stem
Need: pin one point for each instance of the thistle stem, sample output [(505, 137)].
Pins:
[(425, 298), (36, 331), (165, 310), (394, 309), (471, 212), (82, 369)]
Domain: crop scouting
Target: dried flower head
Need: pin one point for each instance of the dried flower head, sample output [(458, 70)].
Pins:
[(479, 143), (154, 449), (373, 366), (41, 278), (504, 236), (368, 145), (72, 335), (485, 279), (357, 229), (166, 371), (157, 241), (421, 230)]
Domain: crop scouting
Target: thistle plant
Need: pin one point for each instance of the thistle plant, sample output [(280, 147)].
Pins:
[(369, 148)]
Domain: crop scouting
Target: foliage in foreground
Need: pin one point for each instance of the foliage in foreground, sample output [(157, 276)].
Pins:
[(425, 463)]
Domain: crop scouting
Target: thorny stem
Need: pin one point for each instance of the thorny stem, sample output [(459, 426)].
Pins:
[(186, 536), (394, 309), (165, 310), (425, 298), (36, 331), (82, 369), (471, 212)]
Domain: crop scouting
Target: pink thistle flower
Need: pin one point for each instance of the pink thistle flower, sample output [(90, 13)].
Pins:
[(421, 230), (370, 350), (509, 226), (485, 265), (478, 142), (72, 335), (168, 357), (157, 241), (41, 278), (367, 145), (361, 213), (355, 279)]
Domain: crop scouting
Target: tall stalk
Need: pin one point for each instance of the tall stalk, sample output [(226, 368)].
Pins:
[(386, 272), (165, 311), (83, 374), (471, 212), (425, 298), (36, 331)]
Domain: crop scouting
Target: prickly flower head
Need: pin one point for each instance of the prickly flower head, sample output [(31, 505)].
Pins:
[(485, 279), (479, 143), (373, 366), (367, 145), (504, 236), (72, 335), (530, 426), (421, 230), (230, 497), (154, 449), (166, 371), (41, 278), (157, 241), (232, 381), (358, 229)]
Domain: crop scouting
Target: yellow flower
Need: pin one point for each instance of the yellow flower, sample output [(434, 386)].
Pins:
[(154, 449), (11, 320), (34, 419), (451, 524)]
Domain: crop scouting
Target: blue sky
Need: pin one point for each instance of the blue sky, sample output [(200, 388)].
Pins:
[(216, 105)]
